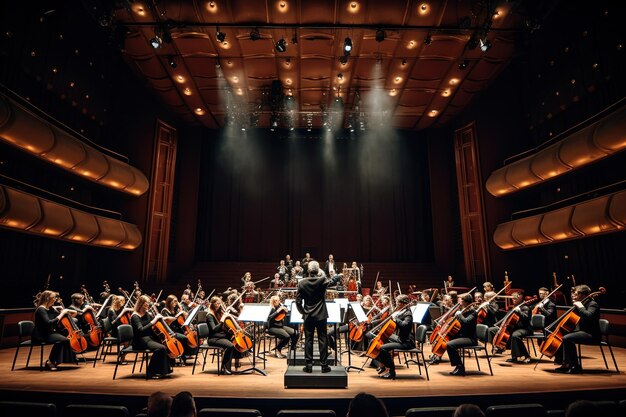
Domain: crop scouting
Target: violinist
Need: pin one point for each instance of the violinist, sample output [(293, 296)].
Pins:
[(144, 338), (46, 319), (478, 297), (466, 336), (175, 316), (545, 306), (277, 282), (521, 329), (587, 330), (367, 304), (403, 338), (379, 290), (487, 286), (276, 326), (218, 335)]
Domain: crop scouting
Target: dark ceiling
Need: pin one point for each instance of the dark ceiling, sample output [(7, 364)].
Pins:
[(413, 65)]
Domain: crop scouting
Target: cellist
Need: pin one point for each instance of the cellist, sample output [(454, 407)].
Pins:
[(46, 320), (404, 338), (545, 306), (521, 329), (171, 313), (144, 338), (466, 336), (588, 329), (218, 335)]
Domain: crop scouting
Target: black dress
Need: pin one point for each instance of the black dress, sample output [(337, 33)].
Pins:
[(45, 330), (112, 315), (179, 333), (282, 332), (143, 339), (218, 337)]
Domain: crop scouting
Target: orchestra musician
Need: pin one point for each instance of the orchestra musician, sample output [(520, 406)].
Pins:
[(449, 282), (277, 327), (305, 261), (356, 274), (144, 338), (587, 330), (79, 305), (277, 282), (115, 314), (466, 336), (522, 328), (491, 309), (171, 312), (311, 303), (403, 338), (218, 335), (297, 272), (478, 297), (282, 270), (380, 289), (46, 319), (545, 306), (329, 267), (288, 264), (487, 286), (367, 304)]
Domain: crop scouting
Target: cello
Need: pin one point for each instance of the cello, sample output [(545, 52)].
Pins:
[(240, 339), (95, 335), (450, 328), (564, 325), (507, 325), (445, 317), (385, 329), (78, 343), (482, 309), (173, 346), (544, 301)]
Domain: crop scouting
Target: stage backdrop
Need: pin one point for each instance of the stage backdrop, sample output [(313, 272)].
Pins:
[(263, 195)]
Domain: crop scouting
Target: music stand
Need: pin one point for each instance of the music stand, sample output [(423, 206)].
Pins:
[(360, 316), (255, 313)]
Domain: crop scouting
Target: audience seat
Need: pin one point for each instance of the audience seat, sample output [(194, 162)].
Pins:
[(306, 413), (430, 412), (607, 408), (229, 412), (516, 410), (18, 408), (83, 410)]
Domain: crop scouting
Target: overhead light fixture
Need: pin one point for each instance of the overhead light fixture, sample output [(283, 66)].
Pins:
[(347, 46), (255, 35), (156, 42), (340, 76), (463, 65), (343, 59), (485, 44), (281, 45), (380, 35), (171, 62), (220, 36), (428, 40)]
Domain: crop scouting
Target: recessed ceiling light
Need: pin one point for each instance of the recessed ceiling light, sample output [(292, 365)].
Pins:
[(433, 113), (423, 9), (199, 111)]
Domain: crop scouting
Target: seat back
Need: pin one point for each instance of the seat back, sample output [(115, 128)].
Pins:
[(420, 334), (538, 322), (82, 410), (482, 332), (516, 410), (607, 408), (230, 412), (430, 412), (604, 327), (306, 413), (25, 328), (18, 408), (106, 325), (124, 333), (203, 330)]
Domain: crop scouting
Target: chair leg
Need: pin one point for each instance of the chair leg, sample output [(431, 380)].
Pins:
[(606, 365), (96, 358), (134, 363), (40, 358), (613, 356), (17, 350), (477, 361), (193, 370), (425, 365), (488, 360), (29, 352)]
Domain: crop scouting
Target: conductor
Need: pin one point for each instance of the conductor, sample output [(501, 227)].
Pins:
[(312, 290)]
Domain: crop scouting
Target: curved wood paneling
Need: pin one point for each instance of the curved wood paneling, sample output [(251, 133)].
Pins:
[(29, 132), (596, 141), (24, 212), (601, 215)]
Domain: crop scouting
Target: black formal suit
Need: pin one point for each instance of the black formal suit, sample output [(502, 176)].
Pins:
[(522, 328), (327, 268), (311, 303), (548, 310), (587, 330), (465, 337)]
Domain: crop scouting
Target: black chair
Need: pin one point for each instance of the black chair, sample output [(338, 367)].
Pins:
[(230, 412), (604, 341), (25, 331), (430, 412), (125, 335), (306, 413), (516, 410), (482, 335), (203, 334), (607, 408), (420, 339), (81, 410), (18, 408), (106, 347), (538, 326)]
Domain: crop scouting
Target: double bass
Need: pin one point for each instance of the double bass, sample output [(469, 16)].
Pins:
[(564, 325)]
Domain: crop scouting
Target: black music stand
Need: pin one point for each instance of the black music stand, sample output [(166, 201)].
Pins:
[(360, 316), (255, 313)]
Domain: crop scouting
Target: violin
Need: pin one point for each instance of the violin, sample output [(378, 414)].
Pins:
[(565, 324), (78, 343), (507, 325), (450, 328)]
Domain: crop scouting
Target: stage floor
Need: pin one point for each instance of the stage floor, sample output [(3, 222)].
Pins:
[(508, 379)]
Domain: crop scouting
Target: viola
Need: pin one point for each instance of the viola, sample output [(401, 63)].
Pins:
[(507, 326), (564, 325)]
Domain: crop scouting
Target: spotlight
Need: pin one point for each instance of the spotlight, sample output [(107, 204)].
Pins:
[(255, 35), (220, 36), (343, 59), (340, 76), (281, 45), (156, 42), (347, 46), (170, 60), (380, 35), (427, 40), (485, 44), (463, 65)]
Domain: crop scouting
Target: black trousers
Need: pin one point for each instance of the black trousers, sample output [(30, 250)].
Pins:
[(384, 356), (453, 346), (160, 363), (518, 348), (310, 325), (284, 334), (568, 349)]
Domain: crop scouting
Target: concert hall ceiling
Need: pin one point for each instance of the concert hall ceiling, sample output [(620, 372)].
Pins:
[(283, 64)]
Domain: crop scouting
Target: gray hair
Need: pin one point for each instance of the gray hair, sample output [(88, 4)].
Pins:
[(313, 268)]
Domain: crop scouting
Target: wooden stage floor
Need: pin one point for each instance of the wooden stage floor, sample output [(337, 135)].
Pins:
[(508, 380)]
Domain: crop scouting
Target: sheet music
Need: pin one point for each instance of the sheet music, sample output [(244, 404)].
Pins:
[(334, 314), (255, 312), (192, 315), (358, 311), (419, 311)]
